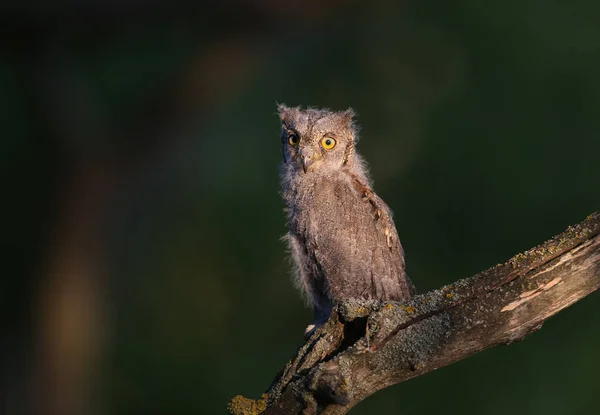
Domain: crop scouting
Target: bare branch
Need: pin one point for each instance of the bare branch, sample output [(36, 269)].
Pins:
[(367, 346)]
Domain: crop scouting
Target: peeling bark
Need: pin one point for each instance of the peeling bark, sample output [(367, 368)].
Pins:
[(366, 346)]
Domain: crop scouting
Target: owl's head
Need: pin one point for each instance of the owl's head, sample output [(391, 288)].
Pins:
[(317, 139)]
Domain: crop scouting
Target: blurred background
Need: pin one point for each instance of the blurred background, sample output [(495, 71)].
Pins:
[(141, 215)]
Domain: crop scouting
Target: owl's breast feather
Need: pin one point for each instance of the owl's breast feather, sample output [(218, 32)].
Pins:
[(321, 198)]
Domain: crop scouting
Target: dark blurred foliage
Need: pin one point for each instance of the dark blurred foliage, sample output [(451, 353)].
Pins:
[(141, 216)]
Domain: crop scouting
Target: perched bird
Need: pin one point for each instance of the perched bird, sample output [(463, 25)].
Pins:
[(342, 238)]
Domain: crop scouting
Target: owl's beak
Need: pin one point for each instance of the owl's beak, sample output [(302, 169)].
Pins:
[(306, 162), (308, 156)]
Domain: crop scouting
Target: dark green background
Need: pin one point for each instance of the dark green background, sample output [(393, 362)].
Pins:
[(480, 122)]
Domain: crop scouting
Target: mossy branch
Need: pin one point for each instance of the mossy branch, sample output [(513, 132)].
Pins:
[(367, 346)]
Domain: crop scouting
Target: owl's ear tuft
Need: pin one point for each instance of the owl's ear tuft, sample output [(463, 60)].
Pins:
[(284, 112), (348, 115)]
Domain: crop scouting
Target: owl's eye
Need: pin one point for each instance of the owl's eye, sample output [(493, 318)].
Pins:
[(328, 143), (293, 139)]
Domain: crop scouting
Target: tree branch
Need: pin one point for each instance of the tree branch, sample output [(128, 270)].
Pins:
[(367, 346)]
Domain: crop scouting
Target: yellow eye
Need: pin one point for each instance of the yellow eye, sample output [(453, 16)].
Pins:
[(293, 139), (328, 143)]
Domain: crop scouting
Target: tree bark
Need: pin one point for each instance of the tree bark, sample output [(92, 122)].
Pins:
[(366, 346)]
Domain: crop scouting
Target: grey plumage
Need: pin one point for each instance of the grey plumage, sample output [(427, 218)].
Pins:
[(342, 238)]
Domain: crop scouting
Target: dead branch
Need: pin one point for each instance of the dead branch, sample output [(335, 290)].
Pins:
[(367, 346)]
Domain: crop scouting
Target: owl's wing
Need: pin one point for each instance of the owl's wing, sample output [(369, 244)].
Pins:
[(387, 277), (393, 273)]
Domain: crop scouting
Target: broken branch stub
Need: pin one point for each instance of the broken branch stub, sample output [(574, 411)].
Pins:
[(368, 345)]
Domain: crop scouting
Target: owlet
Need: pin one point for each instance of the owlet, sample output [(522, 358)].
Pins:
[(342, 238)]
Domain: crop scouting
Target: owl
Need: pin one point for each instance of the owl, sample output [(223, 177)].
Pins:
[(341, 236)]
